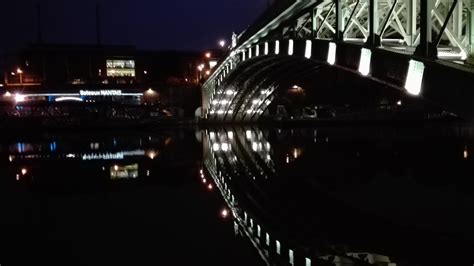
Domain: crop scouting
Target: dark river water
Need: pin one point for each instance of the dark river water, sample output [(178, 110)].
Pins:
[(368, 195)]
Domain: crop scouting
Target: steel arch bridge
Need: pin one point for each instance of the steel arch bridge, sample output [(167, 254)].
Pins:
[(421, 47)]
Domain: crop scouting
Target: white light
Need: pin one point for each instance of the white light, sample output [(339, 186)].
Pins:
[(309, 48), (266, 48), (224, 213), (7, 94), (250, 52), (248, 134), (229, 92), (249, 111), (399, 103), (101, 93), (225, 147), (414, 77), (215, 147), (215, 102), (72, 99), (291, 256), (255, 102), (222, 43), (290, 47), (212, 112), (243, 56), (230, 135), (19, 98), (257, 53), (254, 146), (220, 112), (277, 47), (278, 247), (224, 102), (307, 262), (364, 63), (212, 135), (332, 53)]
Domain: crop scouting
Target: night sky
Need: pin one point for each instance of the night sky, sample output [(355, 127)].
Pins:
[(148, 24)]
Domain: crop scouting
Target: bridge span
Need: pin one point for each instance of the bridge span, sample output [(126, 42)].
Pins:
[(416, 49)]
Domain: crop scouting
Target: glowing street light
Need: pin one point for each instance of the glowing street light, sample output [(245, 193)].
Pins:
[(19, 71), (208, 55), (224, 213), (222, 43)]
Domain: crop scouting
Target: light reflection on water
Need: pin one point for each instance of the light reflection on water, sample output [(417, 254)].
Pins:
[(246, 166), (299, 196)]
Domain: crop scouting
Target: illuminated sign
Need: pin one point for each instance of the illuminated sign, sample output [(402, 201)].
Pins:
[(101, 93)]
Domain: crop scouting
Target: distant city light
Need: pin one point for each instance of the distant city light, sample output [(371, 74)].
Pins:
[(69, 99), (19, 98), (208, 55), (19, 71), (210, 187), (24, 171)]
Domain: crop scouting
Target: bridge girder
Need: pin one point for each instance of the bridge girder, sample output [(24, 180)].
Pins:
[(414, 28)]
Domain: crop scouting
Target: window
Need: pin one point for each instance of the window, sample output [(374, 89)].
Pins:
[(121, 68)]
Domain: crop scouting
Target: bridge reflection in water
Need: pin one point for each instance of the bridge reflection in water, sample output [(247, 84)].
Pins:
[(346, 196)]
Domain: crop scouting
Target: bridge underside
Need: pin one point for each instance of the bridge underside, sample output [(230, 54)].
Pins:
[(257, 87)]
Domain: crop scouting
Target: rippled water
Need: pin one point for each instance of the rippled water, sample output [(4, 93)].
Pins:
[(239, 196)]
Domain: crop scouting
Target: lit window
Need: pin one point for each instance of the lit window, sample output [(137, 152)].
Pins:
[(121, 68)]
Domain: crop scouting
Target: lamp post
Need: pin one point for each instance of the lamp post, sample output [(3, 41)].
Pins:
[(20, 72)]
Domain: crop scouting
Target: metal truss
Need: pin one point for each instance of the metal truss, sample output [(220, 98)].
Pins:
[(429, 29), (396, 24)]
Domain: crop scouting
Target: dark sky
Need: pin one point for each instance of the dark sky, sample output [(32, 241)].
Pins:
[(148, 24)]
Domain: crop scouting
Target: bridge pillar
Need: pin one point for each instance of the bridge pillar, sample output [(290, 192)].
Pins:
[(339, 21), (426, 48), (374, 38), (470, 58), (411, 22)]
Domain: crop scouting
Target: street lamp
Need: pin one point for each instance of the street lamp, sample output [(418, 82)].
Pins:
[(208, 55), (222, 43), (19, 71)]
